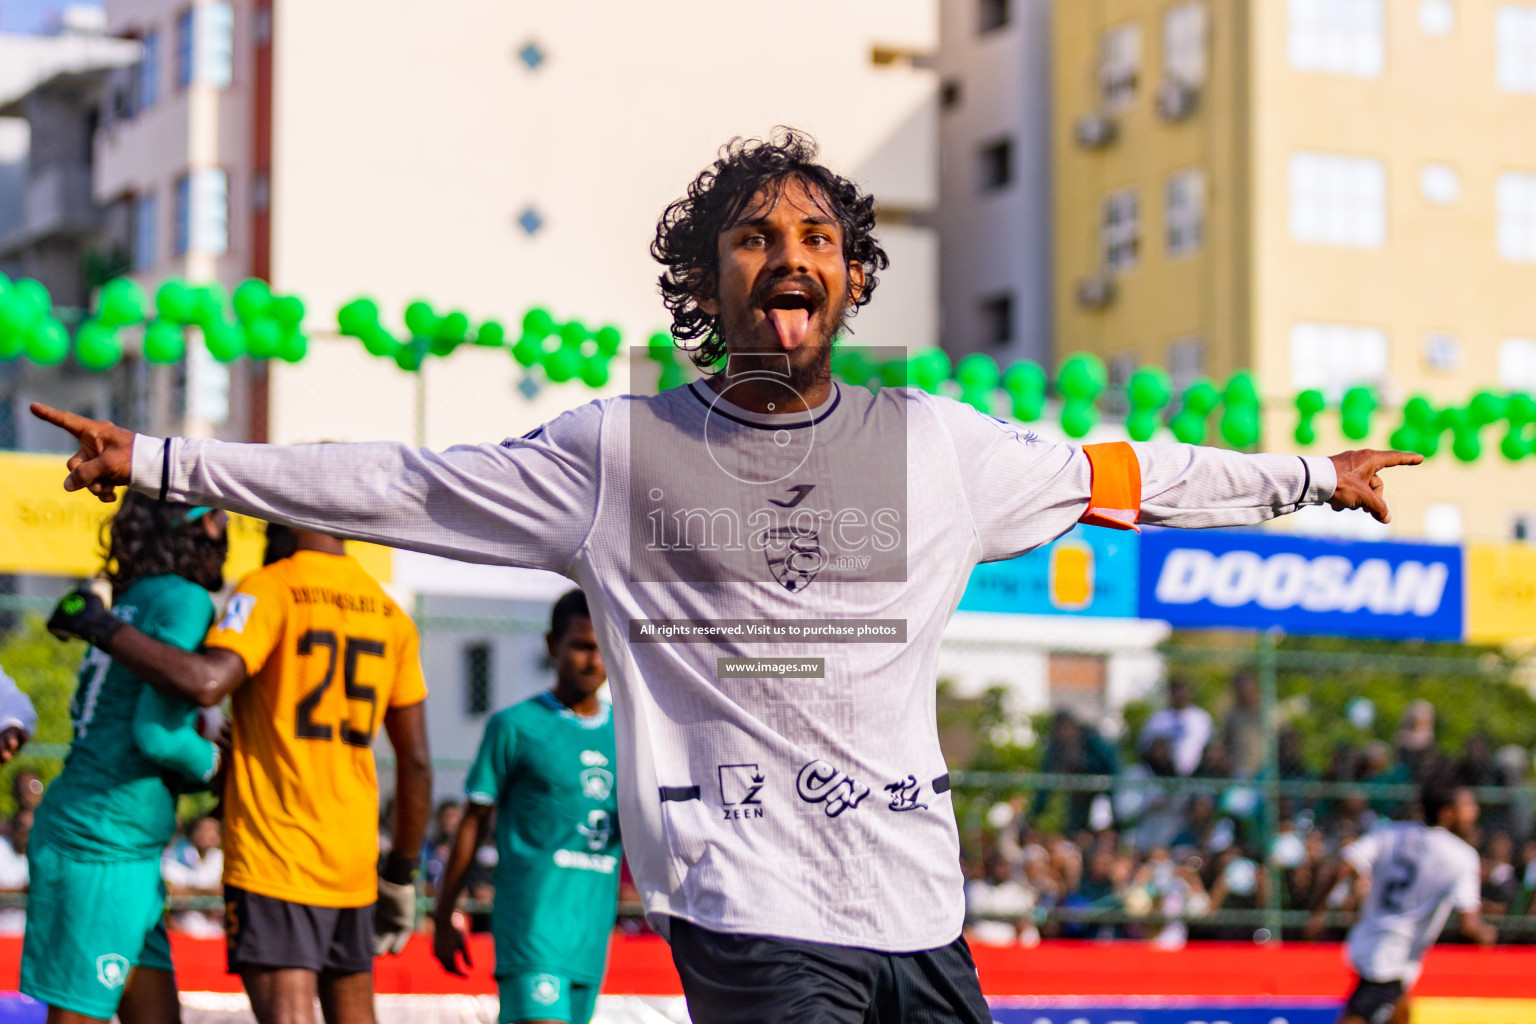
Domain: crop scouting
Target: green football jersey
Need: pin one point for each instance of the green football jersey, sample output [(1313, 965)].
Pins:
[(113, 800), (550, 775)]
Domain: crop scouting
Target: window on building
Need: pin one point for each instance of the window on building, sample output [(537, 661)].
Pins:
[(997, 319), (1338, 200), (1517, 364), (1119, 66), (1184, 49), (1437, 17), (1439, 184), (148, 79), (146, 247), (1442, 523), (1517, 216), (1515, 32), (1120, 231), (992, 14), (1340, 37), (1118, 377), (1336, 357), (1184, 212), (995, 161), (950, 92), (210, 211), (214, 46), (478, 680), (1186, 362), (1522, 527), (182, 216), (185, 47)]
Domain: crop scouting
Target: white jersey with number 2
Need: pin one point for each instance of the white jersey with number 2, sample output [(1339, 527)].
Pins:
[(1418, 875)]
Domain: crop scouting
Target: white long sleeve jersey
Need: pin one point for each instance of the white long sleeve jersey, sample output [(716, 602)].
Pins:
[(1418, 876), (804, 796)]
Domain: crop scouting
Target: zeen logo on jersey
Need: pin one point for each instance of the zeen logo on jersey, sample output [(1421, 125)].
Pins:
[(1302, 585)]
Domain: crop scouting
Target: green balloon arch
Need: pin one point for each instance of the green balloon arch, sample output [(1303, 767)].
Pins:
[(259, 324)]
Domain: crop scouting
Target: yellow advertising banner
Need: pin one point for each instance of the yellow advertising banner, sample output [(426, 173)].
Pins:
[(47, 531), (1501, 592)]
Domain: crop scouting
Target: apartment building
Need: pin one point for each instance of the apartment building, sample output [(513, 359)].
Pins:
[(1329, 192)]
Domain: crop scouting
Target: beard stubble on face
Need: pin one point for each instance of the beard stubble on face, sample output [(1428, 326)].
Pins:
[(810, 365)]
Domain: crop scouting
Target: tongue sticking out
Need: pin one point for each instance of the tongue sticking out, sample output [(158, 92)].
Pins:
[(790, 325)]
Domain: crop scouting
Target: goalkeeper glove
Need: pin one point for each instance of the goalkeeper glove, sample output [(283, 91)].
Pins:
[(83, 615), (394, 916)]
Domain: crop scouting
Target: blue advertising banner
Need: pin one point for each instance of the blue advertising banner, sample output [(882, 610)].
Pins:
[(1089, 571), (1165, 1011), (1302, 585)]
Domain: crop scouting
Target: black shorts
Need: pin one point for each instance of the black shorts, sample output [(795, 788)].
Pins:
[(263, 932), (756, 979), (1374, 1001)]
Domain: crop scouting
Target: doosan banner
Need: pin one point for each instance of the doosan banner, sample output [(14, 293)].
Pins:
[(1259, 580)]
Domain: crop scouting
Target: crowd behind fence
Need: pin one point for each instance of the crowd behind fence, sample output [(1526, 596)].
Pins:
[(1215, 810)]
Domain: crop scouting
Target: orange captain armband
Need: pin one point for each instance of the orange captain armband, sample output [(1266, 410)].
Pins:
[(1114, 498)]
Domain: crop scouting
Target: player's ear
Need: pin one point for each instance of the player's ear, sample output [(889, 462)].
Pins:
[(703, 286), (551, 645), (855, 283)]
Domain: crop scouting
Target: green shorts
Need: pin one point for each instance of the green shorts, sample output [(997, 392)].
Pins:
[(89, 923), (540, 996)]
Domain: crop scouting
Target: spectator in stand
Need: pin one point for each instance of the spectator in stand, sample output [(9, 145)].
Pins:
[(1215, 763), (14, 876), (1307, 884), (1074, 749), (1501, 883), (434, 854), (998, 907), (1477, 766), (194, 866), (1158, 814), (1415, 741), (1288, 753), (1376, 766), (1186, 728), (1243, 730), (1239, 883)]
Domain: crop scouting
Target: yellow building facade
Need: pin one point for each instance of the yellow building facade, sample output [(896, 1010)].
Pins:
[(1327, 192)]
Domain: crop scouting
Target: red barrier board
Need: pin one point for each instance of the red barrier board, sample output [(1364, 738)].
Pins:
[(642, 965)]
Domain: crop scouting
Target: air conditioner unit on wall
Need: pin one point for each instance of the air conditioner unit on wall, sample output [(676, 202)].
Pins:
[(1093, 131), (1176, 101), (1096, 290)]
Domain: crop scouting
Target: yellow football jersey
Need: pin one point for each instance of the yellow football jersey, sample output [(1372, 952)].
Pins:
[(328, 652)]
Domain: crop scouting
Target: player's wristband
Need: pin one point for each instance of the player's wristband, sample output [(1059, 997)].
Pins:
[(397, 869)]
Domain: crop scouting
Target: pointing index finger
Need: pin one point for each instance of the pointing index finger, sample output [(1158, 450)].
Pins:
[(1387, 459), (69, 421)]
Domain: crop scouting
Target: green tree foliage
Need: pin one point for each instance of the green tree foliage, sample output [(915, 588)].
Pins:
[(1471, 687)]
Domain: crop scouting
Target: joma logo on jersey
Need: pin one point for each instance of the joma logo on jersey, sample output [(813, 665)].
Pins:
[(837, 791), (740, 785)]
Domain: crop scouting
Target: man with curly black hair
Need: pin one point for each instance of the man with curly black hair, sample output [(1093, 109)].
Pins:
[(770, 558)]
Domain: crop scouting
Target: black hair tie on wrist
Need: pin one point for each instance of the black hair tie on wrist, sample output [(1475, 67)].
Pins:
[(165, 468), (1306, 480)]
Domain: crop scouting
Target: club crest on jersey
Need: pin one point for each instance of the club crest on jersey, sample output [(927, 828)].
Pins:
[(794, 555), (112, 970), (596, 783), (237, 612), (544, 989)]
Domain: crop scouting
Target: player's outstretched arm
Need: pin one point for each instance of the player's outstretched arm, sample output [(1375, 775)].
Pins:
[(448, 943), (395, 914), (1193, 487), (203, 677), (527, 502)]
